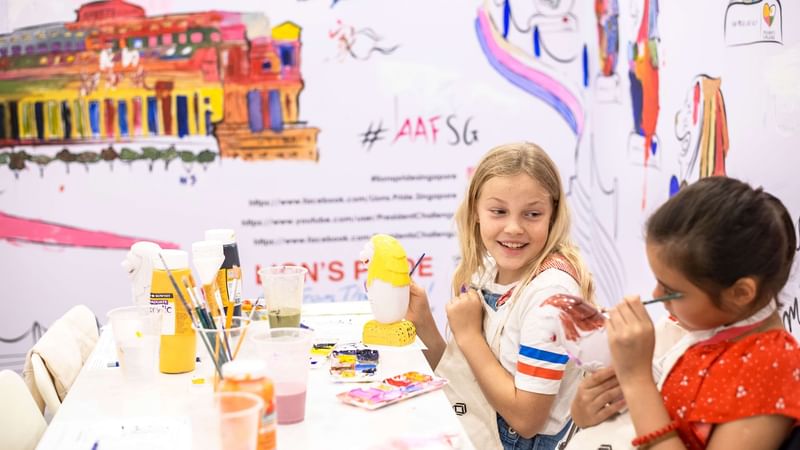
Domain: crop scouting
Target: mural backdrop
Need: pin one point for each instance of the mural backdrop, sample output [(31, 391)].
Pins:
[(308, 126)]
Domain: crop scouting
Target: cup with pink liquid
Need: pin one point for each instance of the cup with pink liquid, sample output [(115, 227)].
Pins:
[(286, 351)]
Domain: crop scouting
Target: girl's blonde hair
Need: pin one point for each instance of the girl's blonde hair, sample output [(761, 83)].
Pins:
[(505, 161)]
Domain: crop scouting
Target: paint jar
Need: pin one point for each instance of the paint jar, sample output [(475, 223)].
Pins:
[(250, 375), (178, 339), (229, 277)]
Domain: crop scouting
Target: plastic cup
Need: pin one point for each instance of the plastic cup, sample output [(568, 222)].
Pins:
[(286, 351), (223, 343), (137, 332), (239, 418), (283, 294)]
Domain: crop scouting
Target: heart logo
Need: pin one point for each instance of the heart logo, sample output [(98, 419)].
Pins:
[(769, 14)]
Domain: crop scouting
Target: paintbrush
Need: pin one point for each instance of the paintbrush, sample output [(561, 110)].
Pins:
[(222, 322), (416, 264), (664, 298), (202, 316), (246, 326)]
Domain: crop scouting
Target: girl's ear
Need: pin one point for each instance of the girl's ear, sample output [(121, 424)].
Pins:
[(741, 294)]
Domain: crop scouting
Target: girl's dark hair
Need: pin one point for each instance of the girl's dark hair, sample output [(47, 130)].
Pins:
[(719, 230)]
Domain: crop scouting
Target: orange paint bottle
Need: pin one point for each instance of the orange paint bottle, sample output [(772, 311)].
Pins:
[(250, 375)]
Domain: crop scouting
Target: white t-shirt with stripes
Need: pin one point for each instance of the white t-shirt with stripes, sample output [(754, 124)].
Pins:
[(529, 349)]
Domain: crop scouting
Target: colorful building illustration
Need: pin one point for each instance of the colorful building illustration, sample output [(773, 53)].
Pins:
[(115, 75)]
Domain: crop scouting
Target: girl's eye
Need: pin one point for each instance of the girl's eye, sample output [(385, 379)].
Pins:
[(533, 214), (497, 211)]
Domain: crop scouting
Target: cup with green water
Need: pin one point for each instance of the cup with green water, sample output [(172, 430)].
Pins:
[(283, 294)]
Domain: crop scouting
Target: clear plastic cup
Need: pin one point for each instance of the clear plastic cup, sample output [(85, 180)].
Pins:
[(283, 294), (286, 351), (137, 332), (222, 344), (239, 418)]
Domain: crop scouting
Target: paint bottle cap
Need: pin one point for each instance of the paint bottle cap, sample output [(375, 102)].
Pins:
[(244, 369), (145, 248), (175, 259), (208, 249), (207, 257), (224, 235)]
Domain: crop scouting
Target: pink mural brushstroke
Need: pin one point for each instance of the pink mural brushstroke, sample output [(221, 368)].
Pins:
[(536, 77), (14, 228)]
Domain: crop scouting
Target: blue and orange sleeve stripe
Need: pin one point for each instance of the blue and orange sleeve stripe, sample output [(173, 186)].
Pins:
[(541, 363)]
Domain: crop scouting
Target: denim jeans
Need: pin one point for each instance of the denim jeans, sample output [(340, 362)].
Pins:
[(511, 440)]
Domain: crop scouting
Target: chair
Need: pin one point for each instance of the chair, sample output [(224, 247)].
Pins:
[(21, 422), (45, 386), (84, 325), (53, 363)]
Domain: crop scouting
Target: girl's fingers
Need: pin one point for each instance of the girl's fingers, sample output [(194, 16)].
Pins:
[(601, 375), (638, 308), (626, 311), (608, 384), (610, 396), (612, 408)]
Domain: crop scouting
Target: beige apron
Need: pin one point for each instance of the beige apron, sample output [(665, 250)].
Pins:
[(477, 415)]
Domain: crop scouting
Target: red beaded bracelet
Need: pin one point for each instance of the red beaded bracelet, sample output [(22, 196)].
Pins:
[(653, 435)]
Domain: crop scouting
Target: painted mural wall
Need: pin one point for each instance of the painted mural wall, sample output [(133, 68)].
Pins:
[(308, 126)]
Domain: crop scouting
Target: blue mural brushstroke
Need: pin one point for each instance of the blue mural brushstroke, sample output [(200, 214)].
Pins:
[(152, 115), (506, 18), (585, 67), (122, 117), (254, 115), (182, 114), (674, 185)]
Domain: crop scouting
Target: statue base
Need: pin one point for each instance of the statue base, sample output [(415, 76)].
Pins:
[(396, 334)]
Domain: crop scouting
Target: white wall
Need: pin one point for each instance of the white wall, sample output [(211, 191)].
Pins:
[(438, 69)]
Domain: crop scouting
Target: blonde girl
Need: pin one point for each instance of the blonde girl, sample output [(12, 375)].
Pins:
[(510, 382)]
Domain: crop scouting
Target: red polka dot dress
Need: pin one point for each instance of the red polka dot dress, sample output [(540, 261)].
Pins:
[(717, 381)]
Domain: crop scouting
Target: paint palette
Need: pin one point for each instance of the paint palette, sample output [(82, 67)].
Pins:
[(392, 390), (353, 362)]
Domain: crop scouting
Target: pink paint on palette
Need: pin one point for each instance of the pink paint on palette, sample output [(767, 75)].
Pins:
[(392, 390)]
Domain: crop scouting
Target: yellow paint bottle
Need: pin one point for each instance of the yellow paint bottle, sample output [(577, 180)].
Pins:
[(178, 340)]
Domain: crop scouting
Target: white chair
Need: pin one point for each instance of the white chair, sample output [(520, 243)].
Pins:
[(45, 386), (21, 422), (83, 324), (54, 362)]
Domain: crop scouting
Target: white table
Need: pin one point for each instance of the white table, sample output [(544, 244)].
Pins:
[(100, 396)]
